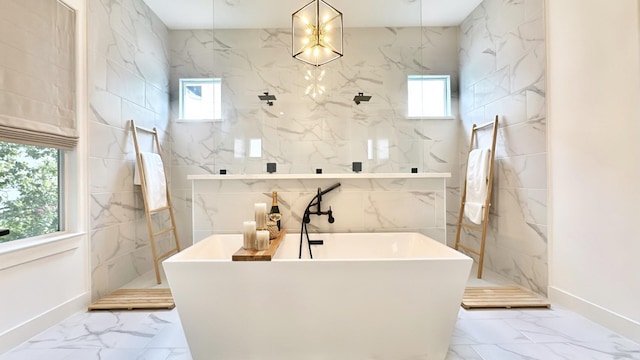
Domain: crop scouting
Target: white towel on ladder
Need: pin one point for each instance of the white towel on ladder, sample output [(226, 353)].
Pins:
[(477, 184), (155, 180)]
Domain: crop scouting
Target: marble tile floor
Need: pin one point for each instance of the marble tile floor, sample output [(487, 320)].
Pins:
[(478, 335)]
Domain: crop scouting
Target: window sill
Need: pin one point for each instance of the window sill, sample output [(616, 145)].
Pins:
[(197, 120), (431, 117), (19, 252)]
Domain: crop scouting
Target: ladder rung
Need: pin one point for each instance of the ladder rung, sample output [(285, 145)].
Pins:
[(472, 227), (163, 231), (158, 210), (168, 253), (469, 249), (152, 131)]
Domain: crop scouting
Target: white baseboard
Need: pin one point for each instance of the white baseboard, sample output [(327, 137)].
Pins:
[(23, 332), (605, 317)]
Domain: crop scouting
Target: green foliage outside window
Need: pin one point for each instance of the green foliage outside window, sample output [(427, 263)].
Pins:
[(29, 190)]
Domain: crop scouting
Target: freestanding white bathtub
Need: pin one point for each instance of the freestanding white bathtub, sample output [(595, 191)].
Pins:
[(379, 296)]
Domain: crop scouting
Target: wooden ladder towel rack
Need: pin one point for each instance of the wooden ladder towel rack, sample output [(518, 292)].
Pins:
[(172, 227), (482, 228)]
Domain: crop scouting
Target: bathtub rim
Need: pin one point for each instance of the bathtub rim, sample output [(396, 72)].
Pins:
[(455, 254)]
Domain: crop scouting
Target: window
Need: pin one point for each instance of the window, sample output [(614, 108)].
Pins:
[(200, 99), (429, 96), (29, 190)]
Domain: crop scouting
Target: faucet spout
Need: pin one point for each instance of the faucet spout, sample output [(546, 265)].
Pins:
[(332, 187)]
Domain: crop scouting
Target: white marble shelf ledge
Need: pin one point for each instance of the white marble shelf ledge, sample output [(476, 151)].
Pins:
[(356, 176)]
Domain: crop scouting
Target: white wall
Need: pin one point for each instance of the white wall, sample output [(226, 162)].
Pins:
[(41, 285), (45, 280), (594, 162)]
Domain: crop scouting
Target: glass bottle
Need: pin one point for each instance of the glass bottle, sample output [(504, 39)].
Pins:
[(274, 213)]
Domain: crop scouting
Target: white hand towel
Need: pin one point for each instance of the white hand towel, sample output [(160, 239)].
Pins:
[(155, 180), (477, 184)]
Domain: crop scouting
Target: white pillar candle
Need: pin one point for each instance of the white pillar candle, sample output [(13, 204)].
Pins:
[(249, 235), (262, 239), (261, 215)]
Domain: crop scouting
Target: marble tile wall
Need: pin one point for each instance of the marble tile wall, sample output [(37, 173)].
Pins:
[(301, 133), (128, 79), (496, 60), (502, 72), (358, 205)]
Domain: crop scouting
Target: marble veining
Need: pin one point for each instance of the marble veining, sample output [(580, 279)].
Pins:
[(555, 334), (301, 133), (128, 55), (502, 72), (364, 203), (495, 59), (256, 60)]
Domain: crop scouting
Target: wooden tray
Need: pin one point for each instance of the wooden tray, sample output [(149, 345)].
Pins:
[(501, 297), (262, 255)]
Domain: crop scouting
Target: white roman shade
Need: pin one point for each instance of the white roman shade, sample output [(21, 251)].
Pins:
[(37, 73)]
